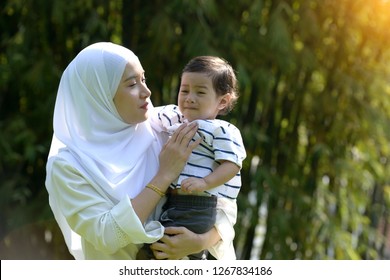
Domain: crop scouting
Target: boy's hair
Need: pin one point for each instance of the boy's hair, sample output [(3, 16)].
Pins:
[(222, 76)]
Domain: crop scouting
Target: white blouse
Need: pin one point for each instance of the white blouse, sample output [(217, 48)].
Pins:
[(104, 228)]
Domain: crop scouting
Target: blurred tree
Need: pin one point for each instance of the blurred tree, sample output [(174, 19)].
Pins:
[(38, 40)]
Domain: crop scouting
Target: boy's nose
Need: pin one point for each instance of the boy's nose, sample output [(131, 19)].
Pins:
[(190, 98)]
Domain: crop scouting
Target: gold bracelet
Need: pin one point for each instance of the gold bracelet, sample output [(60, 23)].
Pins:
[(155, 189)]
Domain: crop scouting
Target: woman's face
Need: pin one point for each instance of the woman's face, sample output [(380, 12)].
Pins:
[(132, 96), (197, 97)]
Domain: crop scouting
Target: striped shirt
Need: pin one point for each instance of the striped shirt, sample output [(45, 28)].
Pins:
[(221, 141)]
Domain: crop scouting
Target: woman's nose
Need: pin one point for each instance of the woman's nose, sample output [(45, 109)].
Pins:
[(145, 91)]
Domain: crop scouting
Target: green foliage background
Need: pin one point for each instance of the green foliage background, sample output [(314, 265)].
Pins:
[(314, 112)]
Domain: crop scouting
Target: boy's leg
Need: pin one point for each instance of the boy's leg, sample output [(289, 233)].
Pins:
[(196, 213)]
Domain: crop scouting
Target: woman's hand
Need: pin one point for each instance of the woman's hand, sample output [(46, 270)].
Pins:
[(173, 157), (179, 242), (176, 152)]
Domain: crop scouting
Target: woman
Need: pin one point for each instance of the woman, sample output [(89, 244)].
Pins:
[(107, 170)]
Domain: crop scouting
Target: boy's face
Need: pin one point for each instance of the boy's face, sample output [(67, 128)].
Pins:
[(197, 97)]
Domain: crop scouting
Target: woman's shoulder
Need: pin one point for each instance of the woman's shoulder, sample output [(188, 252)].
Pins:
[(62, 163)]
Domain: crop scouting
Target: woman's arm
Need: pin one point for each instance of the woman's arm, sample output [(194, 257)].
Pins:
[(179, 242), (95, 217)]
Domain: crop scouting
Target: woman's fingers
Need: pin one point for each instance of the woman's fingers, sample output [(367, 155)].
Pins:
[(177, 150), (184, 133), (159, 249), (174, 244), (194, 144)]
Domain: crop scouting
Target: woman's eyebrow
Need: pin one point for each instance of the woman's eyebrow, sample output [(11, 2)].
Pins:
[(134, 76), (130, 78)]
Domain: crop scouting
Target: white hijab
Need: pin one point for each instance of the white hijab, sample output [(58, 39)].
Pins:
[(118, 157)]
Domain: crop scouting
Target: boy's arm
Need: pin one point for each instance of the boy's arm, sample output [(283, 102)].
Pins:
[(222, 174)]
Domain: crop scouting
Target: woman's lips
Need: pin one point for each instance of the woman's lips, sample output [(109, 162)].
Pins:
[(145, 106)]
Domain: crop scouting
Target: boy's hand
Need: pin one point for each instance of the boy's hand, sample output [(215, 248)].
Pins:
[(192, 185)]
